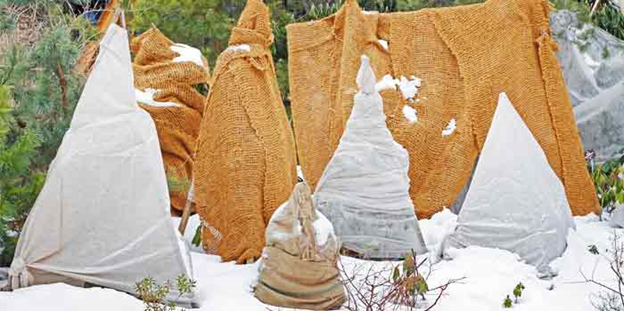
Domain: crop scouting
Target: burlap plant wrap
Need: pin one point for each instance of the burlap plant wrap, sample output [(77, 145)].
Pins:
[(299, 263), (178, 126), (465, 57), (246, 163)]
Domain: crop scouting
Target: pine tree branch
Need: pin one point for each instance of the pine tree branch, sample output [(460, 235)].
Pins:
[(63, 84)]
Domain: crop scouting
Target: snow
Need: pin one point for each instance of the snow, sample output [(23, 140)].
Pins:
[(239, 48), (323, 229), (386, 83), (147, 97), (384, 44), (187, 54), (409, 88), (450, 128), (410, 114), (490, 275)]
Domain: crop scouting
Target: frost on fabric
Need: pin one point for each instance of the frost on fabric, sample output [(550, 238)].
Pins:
[(187, 54), (450, 128), (147, 97), (239, 48), (410, 114), (384, 43)]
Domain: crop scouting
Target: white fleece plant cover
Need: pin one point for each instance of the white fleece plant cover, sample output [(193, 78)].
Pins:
[(515, 201), (103, 214), (364, 190)]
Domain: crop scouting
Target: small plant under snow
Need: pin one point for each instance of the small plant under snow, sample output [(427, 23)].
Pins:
[(187, 54), (147, 97), (410, 114), (450, 128), (239, 48)]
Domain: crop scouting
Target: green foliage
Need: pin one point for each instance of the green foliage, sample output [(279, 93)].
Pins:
[(608, 179), (154, 295), (18, 186), (38, 92), (593, 249), (608, 16), (202, 24), (517, 292), (507, 302), (197, 237)]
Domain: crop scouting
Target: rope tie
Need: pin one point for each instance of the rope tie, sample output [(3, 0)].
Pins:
[(19, 276)]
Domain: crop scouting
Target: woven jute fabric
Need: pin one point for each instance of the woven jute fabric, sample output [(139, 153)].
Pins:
[(299, 264), (245, 162), (465, 57), (175, 82)]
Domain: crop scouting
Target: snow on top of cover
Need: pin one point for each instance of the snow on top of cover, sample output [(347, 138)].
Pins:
[(187, 54), (239, 48), (147, 97)]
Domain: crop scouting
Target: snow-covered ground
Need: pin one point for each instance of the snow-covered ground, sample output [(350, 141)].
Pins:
[(490, 275)]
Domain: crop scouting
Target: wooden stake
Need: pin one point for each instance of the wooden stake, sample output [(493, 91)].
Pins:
[(595, 7), (186, 213)]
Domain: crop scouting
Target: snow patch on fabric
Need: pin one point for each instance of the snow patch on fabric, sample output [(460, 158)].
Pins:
[(147, 97), (450, 128), (239, 48), (410, 114), (187, 54)]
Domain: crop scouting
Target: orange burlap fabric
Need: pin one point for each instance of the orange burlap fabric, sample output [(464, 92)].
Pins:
[(246, 162), (465, 56), (178, 127)]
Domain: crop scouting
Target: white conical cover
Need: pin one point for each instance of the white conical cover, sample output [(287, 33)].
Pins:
[(103, 214), (364, 190), (515, 201)]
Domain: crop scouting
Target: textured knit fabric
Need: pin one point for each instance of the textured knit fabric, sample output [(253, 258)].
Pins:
[(465, 57), (178, 126), (245, 162)]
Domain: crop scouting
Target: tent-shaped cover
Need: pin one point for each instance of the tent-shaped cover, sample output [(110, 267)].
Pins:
[(103, 214), (516, 201)]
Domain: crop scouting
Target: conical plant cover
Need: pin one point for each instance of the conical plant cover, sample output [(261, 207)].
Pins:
[(103, 214), (245, 165), (364, 190), (178, 120), (516, 201)]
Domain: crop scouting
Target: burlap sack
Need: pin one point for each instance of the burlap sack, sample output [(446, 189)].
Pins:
[(246, 163), (465, 57), (299, 264), (178, 127)]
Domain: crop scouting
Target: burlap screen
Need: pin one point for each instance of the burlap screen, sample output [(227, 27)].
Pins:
[(178, 127), (246, 163), (465, 56), (299, 264)]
